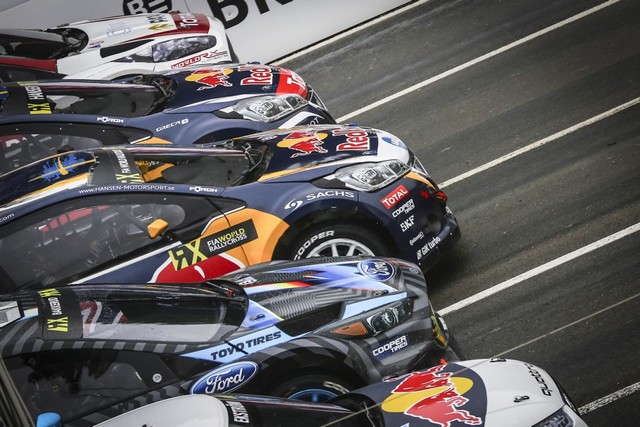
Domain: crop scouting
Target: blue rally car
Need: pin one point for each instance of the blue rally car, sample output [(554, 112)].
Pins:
[(196, 105), (309, 329), (158, 214)]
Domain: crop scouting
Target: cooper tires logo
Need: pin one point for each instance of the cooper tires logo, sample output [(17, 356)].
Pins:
[(132, 7)]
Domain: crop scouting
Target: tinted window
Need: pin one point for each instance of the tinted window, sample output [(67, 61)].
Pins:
[(15, 74), (75, 382), (70, 240), (25, 143)]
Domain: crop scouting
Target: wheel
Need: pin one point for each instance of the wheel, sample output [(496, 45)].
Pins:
[(312, 388), (337, 240)]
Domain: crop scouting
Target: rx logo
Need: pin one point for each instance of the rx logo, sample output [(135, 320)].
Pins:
[(187, 255)]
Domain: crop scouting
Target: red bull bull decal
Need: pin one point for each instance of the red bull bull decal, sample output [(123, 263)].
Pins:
[(304, 142), (436, 396), (210, 78)]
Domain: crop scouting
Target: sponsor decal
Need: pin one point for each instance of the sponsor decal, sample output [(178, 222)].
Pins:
[(377, 269), (186, 21), (157, 18), (127, 174), (60, 314), (312, 240), (210, 78), (435, 396), (226, 378), (132, 7), (6, 217), (407, 223), (417, 237), (539, 379), (205, 247), (172, 124), (395, 196), (304, 142), (258, 76), (200, 189), (201, 58), (391, 347), (130, 187), (357, 139), (238, 411), (238, 347), (406, 207), (36, 101), (295, 204), (427, 247), (105, 119)]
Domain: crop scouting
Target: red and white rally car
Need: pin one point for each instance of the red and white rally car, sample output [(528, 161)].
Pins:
[(115, 47)]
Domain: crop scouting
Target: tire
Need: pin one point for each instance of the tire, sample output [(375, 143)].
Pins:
[(312, 388), (337, 240)]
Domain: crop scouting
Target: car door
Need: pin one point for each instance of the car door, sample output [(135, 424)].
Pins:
[(108, 238)]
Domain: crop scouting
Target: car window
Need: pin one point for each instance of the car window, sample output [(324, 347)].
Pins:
[(171, 50), (22, 144), (75, 382), (68, 241), (16, 74)]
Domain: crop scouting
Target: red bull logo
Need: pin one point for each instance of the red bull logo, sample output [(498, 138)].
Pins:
[(304, 143), (210, 78), (434, 396)]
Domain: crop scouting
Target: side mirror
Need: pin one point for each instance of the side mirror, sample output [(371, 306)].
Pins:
[(49, 419), (157, 227)]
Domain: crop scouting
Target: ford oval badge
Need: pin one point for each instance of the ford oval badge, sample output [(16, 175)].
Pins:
[(225, 378), (377, 269)]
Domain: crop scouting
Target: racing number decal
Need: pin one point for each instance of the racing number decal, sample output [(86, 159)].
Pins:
[(205, 247)]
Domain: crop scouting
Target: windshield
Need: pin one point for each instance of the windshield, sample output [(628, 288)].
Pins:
[(36, 44), (76, 97)]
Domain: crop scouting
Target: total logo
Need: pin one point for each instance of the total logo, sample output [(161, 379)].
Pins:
[(434, 396), (391, 199), (225, 379)]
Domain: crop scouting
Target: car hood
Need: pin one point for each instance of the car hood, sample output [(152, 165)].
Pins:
[(117, 29), (171, 314), (209, 88), (299, 149), (482, 392), (286, 289)]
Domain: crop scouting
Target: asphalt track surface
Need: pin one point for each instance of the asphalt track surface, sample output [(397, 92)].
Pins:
[(528, 113)]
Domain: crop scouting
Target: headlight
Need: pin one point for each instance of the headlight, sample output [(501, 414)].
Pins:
[(372, 176), (269, 108), (557, 419), (372, 325)]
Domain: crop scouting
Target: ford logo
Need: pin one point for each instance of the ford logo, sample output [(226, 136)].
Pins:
[(377, 269), (225, 379)]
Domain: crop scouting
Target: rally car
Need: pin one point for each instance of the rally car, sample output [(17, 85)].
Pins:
[(116, 46), (309, 330), (184, 107), (490, 393), (156, 214)]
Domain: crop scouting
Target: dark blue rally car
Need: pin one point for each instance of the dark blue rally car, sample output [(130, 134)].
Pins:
[(197, 105), (308, 329), (158, 214)]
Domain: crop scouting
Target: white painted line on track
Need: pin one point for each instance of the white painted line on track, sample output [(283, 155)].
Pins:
[(562, 328), (541, 269), (610, 398), (476, 61), (540, 143)]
